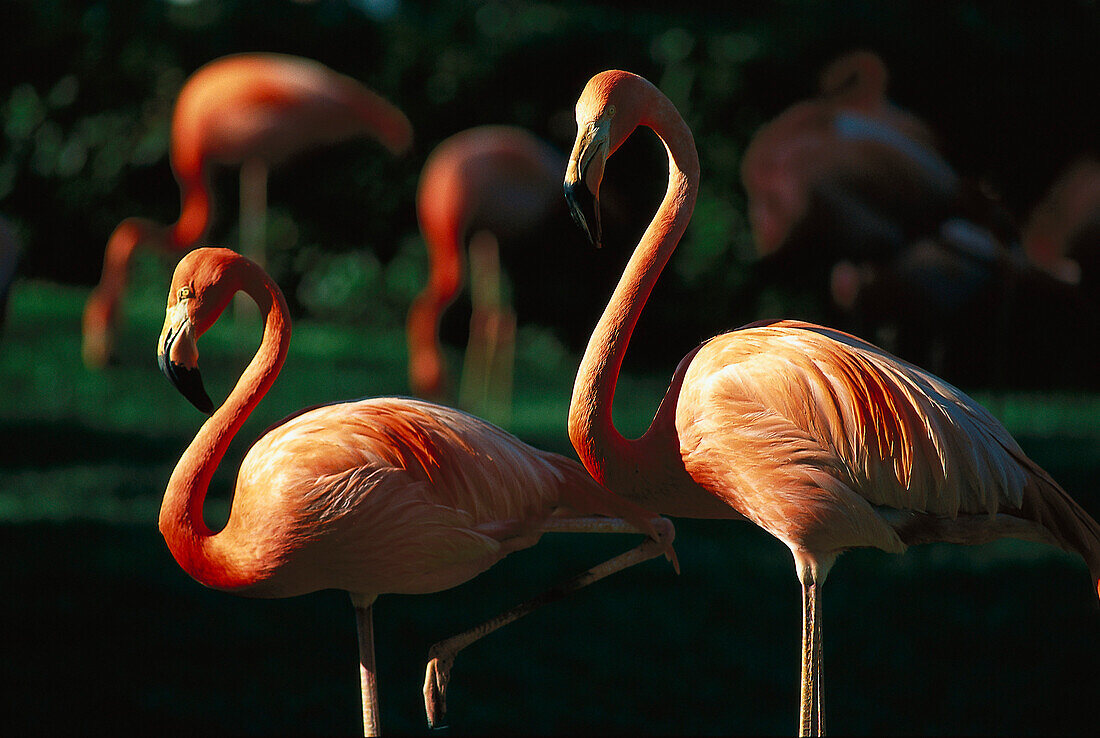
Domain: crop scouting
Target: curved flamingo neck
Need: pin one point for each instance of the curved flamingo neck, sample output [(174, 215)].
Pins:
[(126, 239), (196, 212), (131, 234), (441, 206), (210, 558), (608, 456)]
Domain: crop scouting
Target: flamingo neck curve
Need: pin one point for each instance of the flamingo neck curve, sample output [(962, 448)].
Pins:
[(215, 559), (612, 459), (196, 212), (441, 209)]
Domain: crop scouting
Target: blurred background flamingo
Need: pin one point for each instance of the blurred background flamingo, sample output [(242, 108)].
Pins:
[(477, 187), (251, 111), (854, 149), (850, 198), (386, 495)]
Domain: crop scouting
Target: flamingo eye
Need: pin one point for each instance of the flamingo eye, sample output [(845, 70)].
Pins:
[(610, 111), (185, 293)]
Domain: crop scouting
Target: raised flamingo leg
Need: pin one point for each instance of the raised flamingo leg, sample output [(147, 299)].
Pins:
[(811, 712), (441, 656), (368, 675)]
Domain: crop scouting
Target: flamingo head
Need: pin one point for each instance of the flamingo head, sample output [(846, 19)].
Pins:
[(611, 106), (201, 289)]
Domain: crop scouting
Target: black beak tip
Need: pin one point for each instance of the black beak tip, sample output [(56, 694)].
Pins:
[(188, 382), (584, 207)]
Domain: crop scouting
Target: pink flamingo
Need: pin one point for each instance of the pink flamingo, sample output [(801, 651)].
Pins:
[(821, 439), (371, 496), (246, 110), (476, 186)]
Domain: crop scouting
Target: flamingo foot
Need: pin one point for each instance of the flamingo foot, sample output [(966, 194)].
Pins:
[(436, 677)]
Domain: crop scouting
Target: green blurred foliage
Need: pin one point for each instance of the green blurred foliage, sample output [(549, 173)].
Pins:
[(86, 92)]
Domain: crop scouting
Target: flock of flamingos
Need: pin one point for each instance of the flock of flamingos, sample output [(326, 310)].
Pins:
[(820, 438)]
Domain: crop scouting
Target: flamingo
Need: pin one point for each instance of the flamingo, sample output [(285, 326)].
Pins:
[(246, 110), (821, 439), (850, 147), (375, 496), (479, 185)]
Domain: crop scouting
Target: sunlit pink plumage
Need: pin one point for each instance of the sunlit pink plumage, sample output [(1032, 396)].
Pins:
[(822, 439), (477, 186), (385, 495), (233, 111)]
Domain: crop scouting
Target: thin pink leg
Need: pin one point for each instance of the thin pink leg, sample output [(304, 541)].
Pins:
[(441, 656), (368, 674)]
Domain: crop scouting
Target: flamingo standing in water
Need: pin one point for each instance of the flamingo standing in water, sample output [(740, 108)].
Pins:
[(477, 186), (371, 496), (246, 110), (823, 440)]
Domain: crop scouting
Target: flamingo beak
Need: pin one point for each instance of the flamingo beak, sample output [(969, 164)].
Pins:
[(177, 356), (583, 176)]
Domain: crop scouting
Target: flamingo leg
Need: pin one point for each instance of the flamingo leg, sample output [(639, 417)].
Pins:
[(811, 712), (486, 385), (252, 224), (368, 674), (441, 656)]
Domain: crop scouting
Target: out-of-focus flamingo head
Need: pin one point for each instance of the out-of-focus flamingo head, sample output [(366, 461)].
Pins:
[(607, 113), (202, 286), (779, 170), (101, 310), (856, 80)]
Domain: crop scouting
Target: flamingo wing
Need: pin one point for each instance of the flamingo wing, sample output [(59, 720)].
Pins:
[(842, 418), (400, 495)]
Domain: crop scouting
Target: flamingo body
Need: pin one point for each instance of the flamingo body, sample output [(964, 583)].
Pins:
[(273, 106), (494, 180), (235, 110), (829, 443), (390, 495), (818, 437)]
